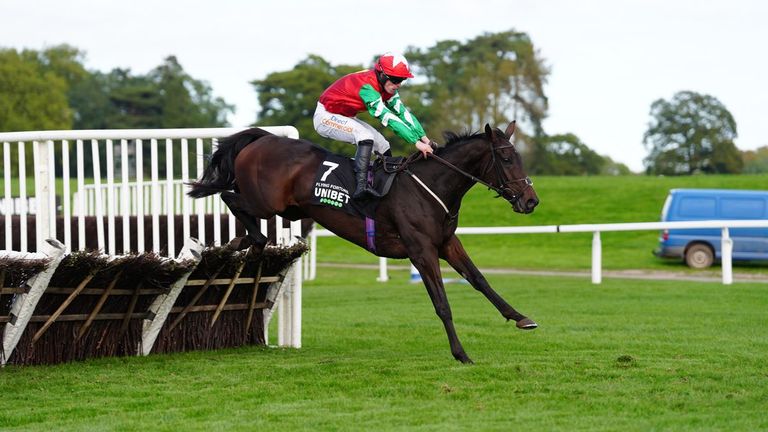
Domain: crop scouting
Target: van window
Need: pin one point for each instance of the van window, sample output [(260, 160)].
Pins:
[(743, 208), (697, 207)]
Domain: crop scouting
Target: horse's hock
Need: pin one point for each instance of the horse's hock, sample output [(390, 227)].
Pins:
[(57, 308)]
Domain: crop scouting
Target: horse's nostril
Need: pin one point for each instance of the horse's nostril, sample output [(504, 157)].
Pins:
[(532, 203)]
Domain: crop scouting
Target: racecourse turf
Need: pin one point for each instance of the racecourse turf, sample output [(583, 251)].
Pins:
[(624, 355)]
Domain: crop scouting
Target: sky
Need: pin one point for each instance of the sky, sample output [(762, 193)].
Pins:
[(609, 59)]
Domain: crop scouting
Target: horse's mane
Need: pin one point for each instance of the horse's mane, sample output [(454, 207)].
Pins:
[(452, 138)]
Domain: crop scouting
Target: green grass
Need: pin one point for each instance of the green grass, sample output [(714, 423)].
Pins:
[(564, 201), (624, 355)]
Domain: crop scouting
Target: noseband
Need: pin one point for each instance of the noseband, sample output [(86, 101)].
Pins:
[(504, 189)]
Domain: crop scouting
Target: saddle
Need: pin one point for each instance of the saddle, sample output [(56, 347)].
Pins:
[(335, 182)]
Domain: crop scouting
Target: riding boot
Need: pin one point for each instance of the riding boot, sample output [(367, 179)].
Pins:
[(362, 158)]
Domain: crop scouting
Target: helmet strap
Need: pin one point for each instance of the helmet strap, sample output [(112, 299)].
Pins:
[(381, 77)]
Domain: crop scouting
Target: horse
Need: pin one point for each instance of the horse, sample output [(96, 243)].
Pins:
[(260, 175)]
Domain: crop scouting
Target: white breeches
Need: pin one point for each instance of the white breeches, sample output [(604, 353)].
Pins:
[(347, 129)]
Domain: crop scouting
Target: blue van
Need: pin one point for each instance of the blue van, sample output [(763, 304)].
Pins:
[(700, 247)]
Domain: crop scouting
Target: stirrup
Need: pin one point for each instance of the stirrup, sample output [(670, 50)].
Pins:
[(366, 192)]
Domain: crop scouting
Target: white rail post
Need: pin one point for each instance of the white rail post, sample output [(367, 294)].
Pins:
[(155, 194), (8, 198), (312, 254), (66, 200), (111, 247), (383, 275), (297, 288), (80, 150), (125, 195), (726, 258), (99, 198), (170, 210), (597, 258), (23, 198), (140, 211), (42, 193)]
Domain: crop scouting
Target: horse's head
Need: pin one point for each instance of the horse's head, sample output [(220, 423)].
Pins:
[(506, 173)]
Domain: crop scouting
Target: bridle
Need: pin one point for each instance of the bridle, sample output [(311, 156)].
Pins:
[(504, 188)]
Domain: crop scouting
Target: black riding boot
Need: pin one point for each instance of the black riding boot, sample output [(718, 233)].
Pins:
[(362, 158)]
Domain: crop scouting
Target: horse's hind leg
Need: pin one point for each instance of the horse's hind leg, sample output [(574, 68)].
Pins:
[(254, 238), (457, 257)]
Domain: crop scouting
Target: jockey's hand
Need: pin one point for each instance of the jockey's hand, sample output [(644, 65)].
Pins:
[(424, 146)]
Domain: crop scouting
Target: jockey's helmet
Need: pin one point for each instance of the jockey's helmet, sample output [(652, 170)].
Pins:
[(394, 65)]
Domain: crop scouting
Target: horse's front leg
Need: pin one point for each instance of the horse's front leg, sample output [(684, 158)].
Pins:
[(453, 252), (428, 266)]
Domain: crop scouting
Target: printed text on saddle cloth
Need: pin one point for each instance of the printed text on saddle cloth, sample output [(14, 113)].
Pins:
[(332, 182)]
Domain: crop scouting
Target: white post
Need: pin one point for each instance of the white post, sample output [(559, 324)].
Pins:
[(66, 200), (125, 194), (313, 254), (597, 258), (185, 200), (200, 203), (42, 193), (284, 310), (383, 276), (8, 197), (297, 287), (139, 197), (112, 248), (155, 197), (52, 210), (726, 257), (24, 211), (81, 195), (216, 206), (170, 210), (96, 161), (415, 275)]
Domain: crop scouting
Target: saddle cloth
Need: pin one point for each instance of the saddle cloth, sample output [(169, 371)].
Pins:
[(335, 184)]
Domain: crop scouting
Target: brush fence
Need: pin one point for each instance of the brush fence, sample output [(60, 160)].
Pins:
[(57, 307)]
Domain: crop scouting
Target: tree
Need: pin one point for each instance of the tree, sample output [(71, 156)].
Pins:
[(692, 133), (290, 97), (31, 98), (494, 78), (185, 101), (756, 161), (563, 155)]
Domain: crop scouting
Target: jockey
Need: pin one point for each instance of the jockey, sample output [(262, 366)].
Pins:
[(375, 91)]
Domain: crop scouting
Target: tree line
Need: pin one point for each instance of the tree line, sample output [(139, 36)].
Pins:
[(52, 89), (460, 86)]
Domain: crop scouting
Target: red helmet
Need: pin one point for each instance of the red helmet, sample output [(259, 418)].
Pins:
[(394, 65)]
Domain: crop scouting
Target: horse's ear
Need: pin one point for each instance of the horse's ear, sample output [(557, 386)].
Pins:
[(510, 129), (488, 131)]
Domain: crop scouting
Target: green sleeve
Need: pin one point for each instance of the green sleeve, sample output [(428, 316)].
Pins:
[(393, 115)]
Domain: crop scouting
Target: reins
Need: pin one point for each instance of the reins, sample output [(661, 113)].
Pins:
[(500, 190)]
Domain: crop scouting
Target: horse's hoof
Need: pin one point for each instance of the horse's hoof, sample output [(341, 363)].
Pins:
[(465, 360), (240, 243), (526, 324)]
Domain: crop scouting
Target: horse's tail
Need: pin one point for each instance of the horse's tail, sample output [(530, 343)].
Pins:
[(219, 175)]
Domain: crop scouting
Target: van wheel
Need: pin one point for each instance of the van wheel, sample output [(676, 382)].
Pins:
[(699, 256)]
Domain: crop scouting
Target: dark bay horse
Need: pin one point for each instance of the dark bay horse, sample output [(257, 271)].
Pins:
[(259, 175)]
